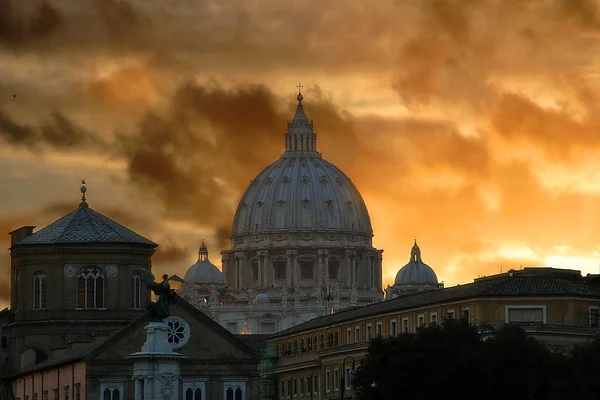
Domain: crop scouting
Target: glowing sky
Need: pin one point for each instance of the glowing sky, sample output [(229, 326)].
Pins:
[(472, 125)]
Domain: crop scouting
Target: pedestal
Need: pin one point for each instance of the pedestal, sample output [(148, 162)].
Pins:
[(156, 367)]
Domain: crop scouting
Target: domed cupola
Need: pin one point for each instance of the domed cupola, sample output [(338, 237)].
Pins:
[(203, 272), (416, 271)]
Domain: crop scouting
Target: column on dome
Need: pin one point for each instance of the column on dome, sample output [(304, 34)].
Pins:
[(288, 267), (296, 269), (262, 258), (320, 280), (326, 266), (350, 278)]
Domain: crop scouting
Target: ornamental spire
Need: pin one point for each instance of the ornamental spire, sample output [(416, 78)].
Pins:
[(83, 190), (300, 137), (415, 253), (203, 252)]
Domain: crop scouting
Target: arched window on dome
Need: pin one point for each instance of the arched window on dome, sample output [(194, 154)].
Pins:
[(136, 291), (330, 213), (281, 214), (39, 290), (306, 217), (90, 288)]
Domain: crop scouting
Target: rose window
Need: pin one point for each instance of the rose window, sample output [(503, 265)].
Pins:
[(179, 331)]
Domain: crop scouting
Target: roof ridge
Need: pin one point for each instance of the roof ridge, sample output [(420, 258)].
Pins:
[(74, 212), (100, 217)]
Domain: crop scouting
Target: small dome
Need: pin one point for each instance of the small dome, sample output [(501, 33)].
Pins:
[(262, 298), (203, 271), (416, 272)]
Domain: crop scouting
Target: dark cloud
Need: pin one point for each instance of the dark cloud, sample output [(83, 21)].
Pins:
[(169, 251), (58, 132), (23, 22)]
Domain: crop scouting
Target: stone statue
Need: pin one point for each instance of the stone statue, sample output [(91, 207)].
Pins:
[(284, 294), (336, 292), (353, 295), (213, 295), (388, 292), (158, 310), (374, 294), (319, 294), (297, 295)]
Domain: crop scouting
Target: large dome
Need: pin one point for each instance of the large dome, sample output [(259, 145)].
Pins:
[(203, 272), (301, 192), (416, 272)]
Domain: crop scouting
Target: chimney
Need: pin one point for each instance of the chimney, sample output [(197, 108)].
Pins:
[(18, 235)]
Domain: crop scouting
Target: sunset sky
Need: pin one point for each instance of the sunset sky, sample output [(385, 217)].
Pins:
[(473, 125)]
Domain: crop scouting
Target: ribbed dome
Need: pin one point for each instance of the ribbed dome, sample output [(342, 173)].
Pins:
[(416, 271), (301, 191), (203, 271)]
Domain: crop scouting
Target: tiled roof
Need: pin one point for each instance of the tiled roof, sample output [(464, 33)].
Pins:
[(518, 285), (84, 225), (5, 390), (256, 341)]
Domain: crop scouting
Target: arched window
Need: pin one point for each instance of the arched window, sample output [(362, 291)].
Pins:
[(193, 394), (322, 344), (136, 291), (90, 288), (39, 290), (335, 339)]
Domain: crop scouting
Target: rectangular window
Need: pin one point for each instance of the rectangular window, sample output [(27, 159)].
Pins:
[(35, 396), (466, 315), (333, 266), (348, 335), (369, 332), (450, 314), (67, 393), (301, 386), (594, 316), (56, 397), (295, 387), (280, 268), (336, 380), (347, 379), (433, 319), (306, 270), (379, 329), (255, 270), (328, 381), (393, 328), (232, 327), (525, 314), (316, 384), (421, 321), (405, 326), (282, 389), (357, 334), (45, 395), (77, 391), (267, 327)]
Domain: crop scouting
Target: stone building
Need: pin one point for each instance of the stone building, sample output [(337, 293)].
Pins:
[(301, 244), (78, 312), (558, 307)]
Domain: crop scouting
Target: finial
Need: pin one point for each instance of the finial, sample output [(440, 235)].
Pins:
[(300, 97), (83, 190)]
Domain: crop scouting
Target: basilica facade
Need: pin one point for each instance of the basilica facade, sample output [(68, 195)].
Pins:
[(301, 245)]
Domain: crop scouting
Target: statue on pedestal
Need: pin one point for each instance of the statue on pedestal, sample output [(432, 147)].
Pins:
[(213, 296), (284, 294), (319, 294), (353, 295), (297, 295), (159, 310)]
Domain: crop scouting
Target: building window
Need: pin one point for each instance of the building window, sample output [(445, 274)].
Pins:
[(369, 332), (56, 396), (348, 335), (322, 344), (466, 315), (267, 327), (306, 270), (357, 334), (193, 389), (255, 270), (136, 291), (111, 391), (405, 326), (347, 379), (334, 267), (393, 328), (525, 314), (35, 396), (316, 384), (39, 290), (234, 389), (280, 268), (232, 327), (336, 340), (379, 329), (450, 314), (336, 380), (77, 391), (301, 387), (295, 387), (433, 319), (282, 390), (328, 381), (421, 321), (594, 316), (45, 395), (309, 343), (66, 388), (90, 288)]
